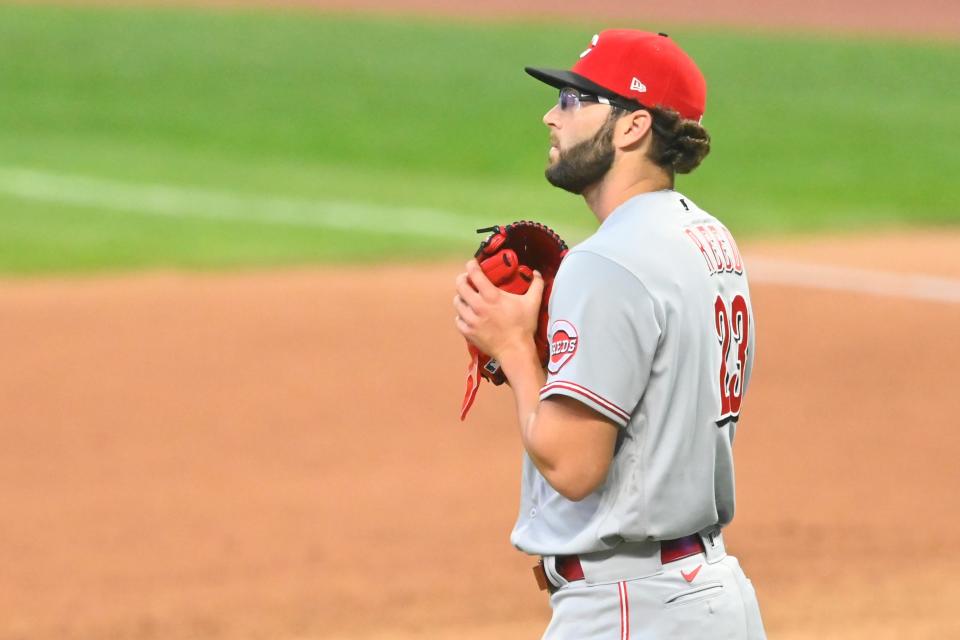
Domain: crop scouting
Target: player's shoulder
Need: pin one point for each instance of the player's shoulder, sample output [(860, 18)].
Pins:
[(663, 238), (645, 229), (591, 262), (651, 218)]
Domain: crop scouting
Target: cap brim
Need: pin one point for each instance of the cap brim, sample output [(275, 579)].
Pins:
[(561, 78)]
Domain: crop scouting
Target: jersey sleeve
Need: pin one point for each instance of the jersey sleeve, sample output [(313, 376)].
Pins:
[(603, 334)]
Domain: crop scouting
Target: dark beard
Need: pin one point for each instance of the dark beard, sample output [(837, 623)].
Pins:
[(585, 163)]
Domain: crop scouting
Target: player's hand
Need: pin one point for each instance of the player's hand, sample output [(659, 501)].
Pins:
[(493, 320)]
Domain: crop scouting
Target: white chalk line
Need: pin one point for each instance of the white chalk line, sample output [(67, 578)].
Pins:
[(185, 202), (853, 280)]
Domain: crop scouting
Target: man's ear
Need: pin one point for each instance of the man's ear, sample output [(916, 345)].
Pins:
[(633, 128)]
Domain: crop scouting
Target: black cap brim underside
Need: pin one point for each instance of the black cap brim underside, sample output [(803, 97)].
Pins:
[(561, 78)]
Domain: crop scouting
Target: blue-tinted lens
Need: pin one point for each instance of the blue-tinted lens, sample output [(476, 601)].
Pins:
[(569, 99)]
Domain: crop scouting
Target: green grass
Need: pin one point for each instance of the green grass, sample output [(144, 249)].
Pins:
[(810, 133)]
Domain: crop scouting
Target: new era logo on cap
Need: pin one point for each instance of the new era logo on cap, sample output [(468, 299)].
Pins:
[(616, 61)]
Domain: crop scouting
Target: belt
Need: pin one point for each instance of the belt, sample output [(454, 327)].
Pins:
[(570, 569)]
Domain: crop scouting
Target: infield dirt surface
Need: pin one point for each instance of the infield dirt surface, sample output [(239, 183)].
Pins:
[(924, 18), (277, 454)]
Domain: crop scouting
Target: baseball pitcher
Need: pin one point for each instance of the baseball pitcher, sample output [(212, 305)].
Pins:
[(628, 428)]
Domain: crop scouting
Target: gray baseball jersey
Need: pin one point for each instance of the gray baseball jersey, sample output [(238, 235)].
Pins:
[(650, 325)]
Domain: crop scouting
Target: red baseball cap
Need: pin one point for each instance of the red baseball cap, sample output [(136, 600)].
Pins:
[(649, 69)]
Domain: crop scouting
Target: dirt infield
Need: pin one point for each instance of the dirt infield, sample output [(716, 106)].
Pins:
[(278, 456), (922, 18)]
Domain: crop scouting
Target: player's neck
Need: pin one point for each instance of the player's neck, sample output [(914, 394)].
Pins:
[(613, 190)]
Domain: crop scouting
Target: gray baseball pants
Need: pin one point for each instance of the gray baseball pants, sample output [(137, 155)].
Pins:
[(702, 597)]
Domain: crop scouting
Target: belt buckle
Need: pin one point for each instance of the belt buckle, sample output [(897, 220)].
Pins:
[(540, 573)]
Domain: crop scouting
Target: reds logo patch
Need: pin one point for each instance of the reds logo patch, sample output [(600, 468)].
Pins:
[(563, 344)]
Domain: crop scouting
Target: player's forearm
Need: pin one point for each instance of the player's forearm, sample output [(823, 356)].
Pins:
[(568, 471), (523, 370)]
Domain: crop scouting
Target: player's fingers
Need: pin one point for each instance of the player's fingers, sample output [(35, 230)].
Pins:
[(479, 279), (462, 326), (536, 287), (462, 277), (466, 292), (464, 310)]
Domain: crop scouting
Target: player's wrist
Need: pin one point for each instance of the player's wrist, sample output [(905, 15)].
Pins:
[(518, 353), (523, 371)]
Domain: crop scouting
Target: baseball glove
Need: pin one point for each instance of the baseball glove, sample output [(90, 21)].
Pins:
[(508, 257)]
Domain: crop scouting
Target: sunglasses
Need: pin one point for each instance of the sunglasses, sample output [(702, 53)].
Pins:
[(570, 100)]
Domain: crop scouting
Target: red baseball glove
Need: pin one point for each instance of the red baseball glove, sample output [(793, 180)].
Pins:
[(508, 257)]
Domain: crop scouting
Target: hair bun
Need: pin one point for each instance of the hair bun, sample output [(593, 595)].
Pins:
[(679, 145)]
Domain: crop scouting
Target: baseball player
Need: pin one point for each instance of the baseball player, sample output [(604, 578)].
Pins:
[(628, 468)]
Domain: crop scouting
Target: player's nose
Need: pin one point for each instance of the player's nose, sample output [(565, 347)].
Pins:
[(550, 117)]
